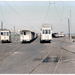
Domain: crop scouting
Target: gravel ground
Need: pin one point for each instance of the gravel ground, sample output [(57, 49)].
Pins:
[(23, 58), (66, 64)]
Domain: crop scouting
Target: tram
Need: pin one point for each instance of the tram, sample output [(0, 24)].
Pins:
[(5, 35), (46, 33), (27, 36)]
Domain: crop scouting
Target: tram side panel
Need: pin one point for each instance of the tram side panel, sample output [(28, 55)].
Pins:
[(36, 35), (25, 36), (33, 35)]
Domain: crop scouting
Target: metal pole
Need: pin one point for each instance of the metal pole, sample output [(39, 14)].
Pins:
[(51, 27), (14, 32), (70, 24), (1, 25), (69, 28)]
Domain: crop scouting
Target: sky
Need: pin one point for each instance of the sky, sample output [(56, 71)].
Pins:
[(33, 14)]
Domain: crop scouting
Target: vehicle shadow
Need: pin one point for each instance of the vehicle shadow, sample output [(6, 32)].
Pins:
[(42, 42), (6, 42)]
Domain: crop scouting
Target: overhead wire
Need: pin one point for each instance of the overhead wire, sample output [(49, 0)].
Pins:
[(18, 13), (31, 26), (2, 12), (60, 18), (47, 11), (15, 11), (62, 14), (62, 10), (57, 13), (56, 10), (28, 21)]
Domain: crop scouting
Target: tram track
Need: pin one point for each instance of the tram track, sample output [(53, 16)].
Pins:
[(59, 59), (40, 61), (58, 62), (1, 48), (6, 50), (32, 71), (0, 45), (44, 65)]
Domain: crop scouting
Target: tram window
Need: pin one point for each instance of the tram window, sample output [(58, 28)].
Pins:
[(24, 33), (43, 31), (5, 34), (46, 31), (21, 33), (49, 31), (1, 33)]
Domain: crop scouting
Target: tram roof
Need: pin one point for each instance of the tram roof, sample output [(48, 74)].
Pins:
[(26, 30), (46, 25), (4, 30)]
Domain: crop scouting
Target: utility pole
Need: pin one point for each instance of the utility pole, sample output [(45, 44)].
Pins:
[(51, 27), (1, 25), (14, 32), (70, 26)]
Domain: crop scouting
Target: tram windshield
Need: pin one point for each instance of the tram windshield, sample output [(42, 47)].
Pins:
[(23, 33), (1, 33), (46, 32), (5, 33)]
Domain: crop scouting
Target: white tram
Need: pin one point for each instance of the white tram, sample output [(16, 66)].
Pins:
[(27, 36), (5, 35), (46, 33)]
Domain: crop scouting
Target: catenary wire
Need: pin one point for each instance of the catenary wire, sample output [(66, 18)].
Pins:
[(56, 10), (18, 14), (2, 12), (62, 10), (15, 11), (47, 11)]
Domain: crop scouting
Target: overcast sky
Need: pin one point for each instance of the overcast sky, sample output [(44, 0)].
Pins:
[(32, 14)]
